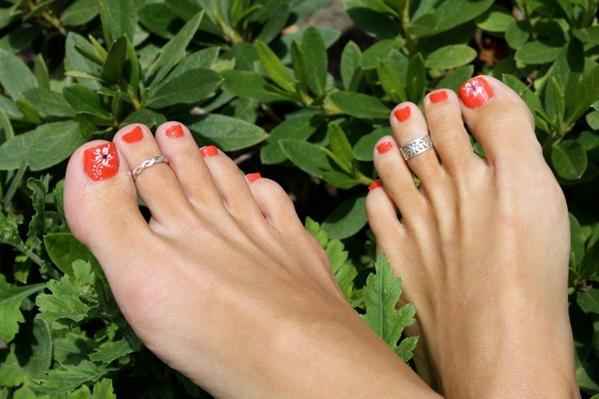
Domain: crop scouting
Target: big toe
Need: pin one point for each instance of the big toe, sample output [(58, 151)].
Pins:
[(100, 202), (500, 121)]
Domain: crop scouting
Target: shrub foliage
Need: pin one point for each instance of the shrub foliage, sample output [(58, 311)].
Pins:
[(305, 103)]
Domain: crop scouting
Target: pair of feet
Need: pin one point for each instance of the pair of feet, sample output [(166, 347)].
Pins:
[(225, 284)]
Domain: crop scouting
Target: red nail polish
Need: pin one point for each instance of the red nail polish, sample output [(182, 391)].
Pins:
[(134, 135), (252, 177), (402, 114), (101, 162), (438, 96), (475, 92), (384, 147), (375, 184), (209, 151), (174, 131)]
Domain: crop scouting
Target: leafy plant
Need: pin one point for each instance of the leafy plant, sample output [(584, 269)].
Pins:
[(304, 102)]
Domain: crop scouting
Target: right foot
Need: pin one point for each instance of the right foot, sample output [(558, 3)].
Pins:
[(224, 283), (482, 246)]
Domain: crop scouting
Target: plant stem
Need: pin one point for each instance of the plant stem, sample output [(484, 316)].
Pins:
[(14, 185)]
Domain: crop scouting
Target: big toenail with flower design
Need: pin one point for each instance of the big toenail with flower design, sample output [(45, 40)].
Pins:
[(101, 162), (475, 92)]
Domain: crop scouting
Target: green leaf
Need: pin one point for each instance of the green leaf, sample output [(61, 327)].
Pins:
[(72, 298), (41, 73), (274, 68), (146, 116), (159, 18), (68, 377), (451, 56), (83, 99), (347, 219), (190, 87), (378, 51), (173, 52), (315, 53), (48, 103), (204, 58), (535, 53), (517, 34), (79, 13), (344, 271), (246, 84), (114, 65), (75, 62), (16, 76), (364, 148), (589, 300), (45, 146), (307, 156), (416, 78), (11, 297), (64, 249), (340, 149), (229, 134), (569, 159), (359, 105), (351, 60), (300, 127), (391, 81), (576, 243), (381, 295), (592, 119), (456, 78), (41, 356), (118, 19), (449, 14), (495, 21), (587, 92), (406, 348)]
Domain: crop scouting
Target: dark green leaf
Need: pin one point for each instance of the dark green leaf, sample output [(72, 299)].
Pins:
[(300, 127), (41, 73), (451, 56), (190, 87), (250, 85), (416, 78), (74, 61), (42, 147), (112, 71), (587, 92), (450, 14), (351, 60), (517, 34), (456, 78), (16, 76), (64, 249), (11, 297), (79, 12), (48, 103), (359, 105), (347, 219), (118, 19), (315, 53), (230, 134), (146, 116), (569, 159), (534, 53), (365, 145), (41, 357), (159, 18), (589, 300), (495, 21), (306, 156), (274, 68)]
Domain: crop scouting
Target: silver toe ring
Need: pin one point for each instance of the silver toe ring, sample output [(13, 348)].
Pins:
[(416, 147), (148, 163)]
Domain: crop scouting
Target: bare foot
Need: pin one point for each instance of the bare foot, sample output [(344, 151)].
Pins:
[(482, 246), (224, 283)]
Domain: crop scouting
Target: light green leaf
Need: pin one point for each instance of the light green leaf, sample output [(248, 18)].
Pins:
[(589, 300), (381, 295), (454, 79), (11, 297), (391, 81), (16, 76), (246, 84), (359, 105), (347, 219), (68, 377), (274, 68), (173, 52), (535, 53), (229, 134), (145, 116), (315, 53), (63, 249), (587, 92), (79, 12), (569, 159), (449, 14), (118, 19), (451, 56), (351, 60), (190, 87), (48, 103), (307, 156), (495, 21), (42, 147), (340, 149), (84, 99)]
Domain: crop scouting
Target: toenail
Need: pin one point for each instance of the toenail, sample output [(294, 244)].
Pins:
[(438, 96), (252, 177), (384, 147), (134, 135), (402, 113), (375, 184), (475, 92), (174, 131), (101, 162), (209, 151)]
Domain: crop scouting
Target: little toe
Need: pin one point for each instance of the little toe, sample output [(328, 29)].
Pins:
[(397, 178), (100, 202), (408, 124), (156, 184), (499, 120), (179, 147), (452, 143)]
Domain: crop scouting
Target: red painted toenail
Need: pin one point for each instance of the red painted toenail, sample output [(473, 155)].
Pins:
[(174, 131), (252, 177), (402, 114), (438, 96), (134, 135), (375, 184), (475, 92), (384, 147), (101, 162), (209, 151)]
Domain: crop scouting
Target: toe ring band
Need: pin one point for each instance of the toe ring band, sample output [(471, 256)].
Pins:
[(148, 163), (416, 147)]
